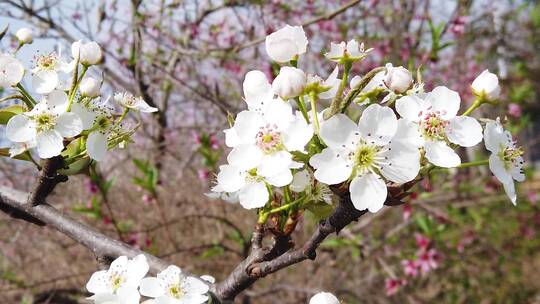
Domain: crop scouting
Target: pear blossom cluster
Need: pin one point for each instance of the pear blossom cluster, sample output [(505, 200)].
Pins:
[(125, 282), (303, 134), (63, 112)]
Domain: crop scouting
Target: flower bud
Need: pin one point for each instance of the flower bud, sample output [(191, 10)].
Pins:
[(287, 43), (486, 85), (90, 87), (255, 85), (398, 79), (289, 83), (324, 298), (88, 53), (11, 71), (24, 35)]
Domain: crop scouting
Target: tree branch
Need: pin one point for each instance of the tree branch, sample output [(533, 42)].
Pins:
[(101, 245)]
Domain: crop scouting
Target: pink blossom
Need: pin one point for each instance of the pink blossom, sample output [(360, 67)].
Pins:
[(410, 267), (533, 197), (458, 25), (196, 137), (422, 242), (147, 199), (407, 211), (514, 110), (393, 285), (428, 260), (214, 143), (90, 186), (133, 240), (203, 174)]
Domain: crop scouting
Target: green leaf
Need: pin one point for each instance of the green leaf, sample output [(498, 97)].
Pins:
[(8, 112), (24, 156), (424, 223), (76, 167)]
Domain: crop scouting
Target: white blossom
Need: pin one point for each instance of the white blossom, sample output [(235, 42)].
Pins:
[(88, 53), (47, 74), (171, 287), (261, 144), (351, 51), (120, 282), (24, 35), (286, 44), (398, 79), (11, 71), (435, 117), (327, 88), (90, 87), (127, 100), (505, 160), (97, 118), (48, 124), (379, 145), (324, 298), (486, 85), (289, 83), (257, 89)]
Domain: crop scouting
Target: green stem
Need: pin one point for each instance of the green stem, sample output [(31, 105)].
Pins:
[(28, 100), (474, 163), (302, 107), (339, 94), (284, 207), (313, 98), (119, 120), (75, 85), (476, 104)]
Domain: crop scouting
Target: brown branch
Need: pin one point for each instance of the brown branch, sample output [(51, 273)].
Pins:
[(101, 245), (47, 180)]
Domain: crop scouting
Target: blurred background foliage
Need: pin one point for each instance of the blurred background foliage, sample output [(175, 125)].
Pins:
[(458, 240)]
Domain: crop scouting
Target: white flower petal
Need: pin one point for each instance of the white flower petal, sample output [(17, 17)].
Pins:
[(170, 275), (411, 107), (44, 82), (445, 101), (495, 137), (331, 167), (11, 71), (378, 124), (231, 138), (408, 134), (20, 129), (231, 178), (403, 163), (245, 156), (339, 131), (439, 154), (464, 130), (196, 286), (87, 117), (278, 113), (274, 163), (253, 195), (510, 190), (49, 144), (301, 180), (69, 125), (280, 179), (497, 166), (98, 283), (96, 145), (297, 134), (368, 192), (127, 295), (324, 298), (57, 102), (247, 125), (152, 287)]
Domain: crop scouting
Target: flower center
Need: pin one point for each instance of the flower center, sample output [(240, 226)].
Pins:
[(368, 158), (176, 291), (434, 125), (510, 155), (47, 62), (102, 123), (45, 121), (116, 281), (268, 138)]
